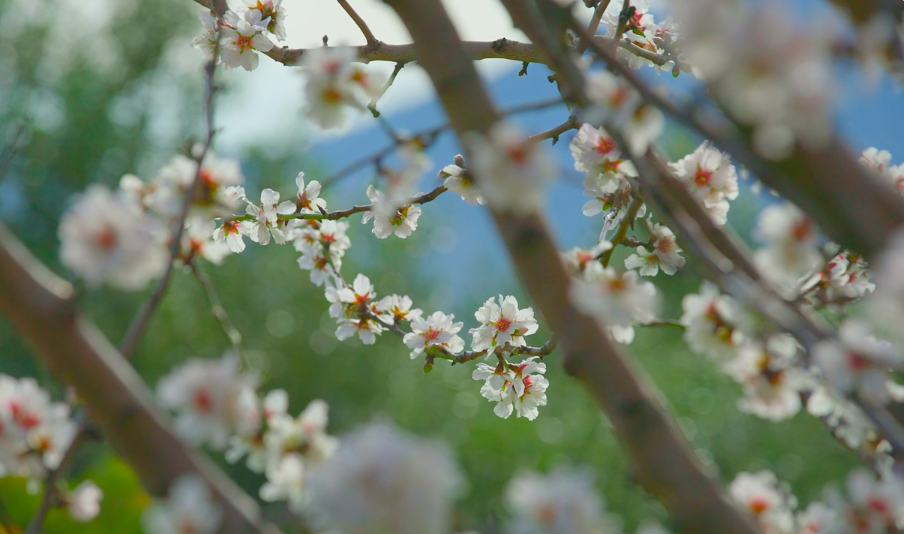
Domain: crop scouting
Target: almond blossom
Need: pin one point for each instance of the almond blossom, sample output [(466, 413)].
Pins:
[(664, 254), (400, 308), (207, 41), (436, 330), (711, 178), (199, 239), (384, 481), (308, 200), (765, 500), (879, 161), (515, 388), (334, 82), (272, 12), (358, 311), (207, 398), (502, 324), (286, 482), (577, 259), (265, 221), (403, 223), (616, 299), (242, 38), (83, 503), (188, 509), (511, 172), (231, 232), (562, 502), (873, 504), (790, 250), (35, 430), (458, 180), (619, 105), (712, 323), (105, 238), (595, 153), (857, 363)]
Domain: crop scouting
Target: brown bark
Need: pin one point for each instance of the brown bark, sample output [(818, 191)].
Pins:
[(664, 463), (42, 309)]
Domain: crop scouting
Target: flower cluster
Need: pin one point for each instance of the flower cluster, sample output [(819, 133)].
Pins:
[(767, 70), (519, 388), (335, 82), (879, 161), (188, 509), (872, 505), (240, 37), (384, 481), (34, 431), (218, 405), (596, 154), (640, 30), (618, 105), (711, 178)]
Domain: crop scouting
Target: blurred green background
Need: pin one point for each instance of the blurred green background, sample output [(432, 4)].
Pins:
[(87, 118)]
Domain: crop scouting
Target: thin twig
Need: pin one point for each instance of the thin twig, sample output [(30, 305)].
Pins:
[(553, 133), (140, 322), (49, 498), (594, 24), (426, 138), (373, 103), (216, 306), (626, 222), (372, 41), (9, 152)]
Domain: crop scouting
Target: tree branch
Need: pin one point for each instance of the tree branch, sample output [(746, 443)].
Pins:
[(663, 459), (372, 41), (42, 309)]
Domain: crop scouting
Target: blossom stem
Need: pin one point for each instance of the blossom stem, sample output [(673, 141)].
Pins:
[(622, 232), (216, 307), (49, 498)]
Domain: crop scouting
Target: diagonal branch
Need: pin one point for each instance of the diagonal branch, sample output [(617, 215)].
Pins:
[(664, 462), (372, 41), (41, 308)]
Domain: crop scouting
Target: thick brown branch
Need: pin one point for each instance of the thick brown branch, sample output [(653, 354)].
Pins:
[(825, 183), (40, 306), (663, 459)]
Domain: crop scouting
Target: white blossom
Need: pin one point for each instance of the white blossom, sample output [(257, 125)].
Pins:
[(266, 217), (712, 322), (577, 259), (790, 250), (595, 153), (231, 232), (199, 239), (272, 12), (188, 509), (502, 324), (664, 254), (384, 481), (286, 482), (83, 503), (206, 396), (436, 330), (515, 388), (711, 179), (242, 38), (857, 362), (308, 200), (620, 105), (107, 239), (403, 223), (512, 172), (334, 82), (400, 308), (458, 180), (562, 502), (617, 299), (765, 500)]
